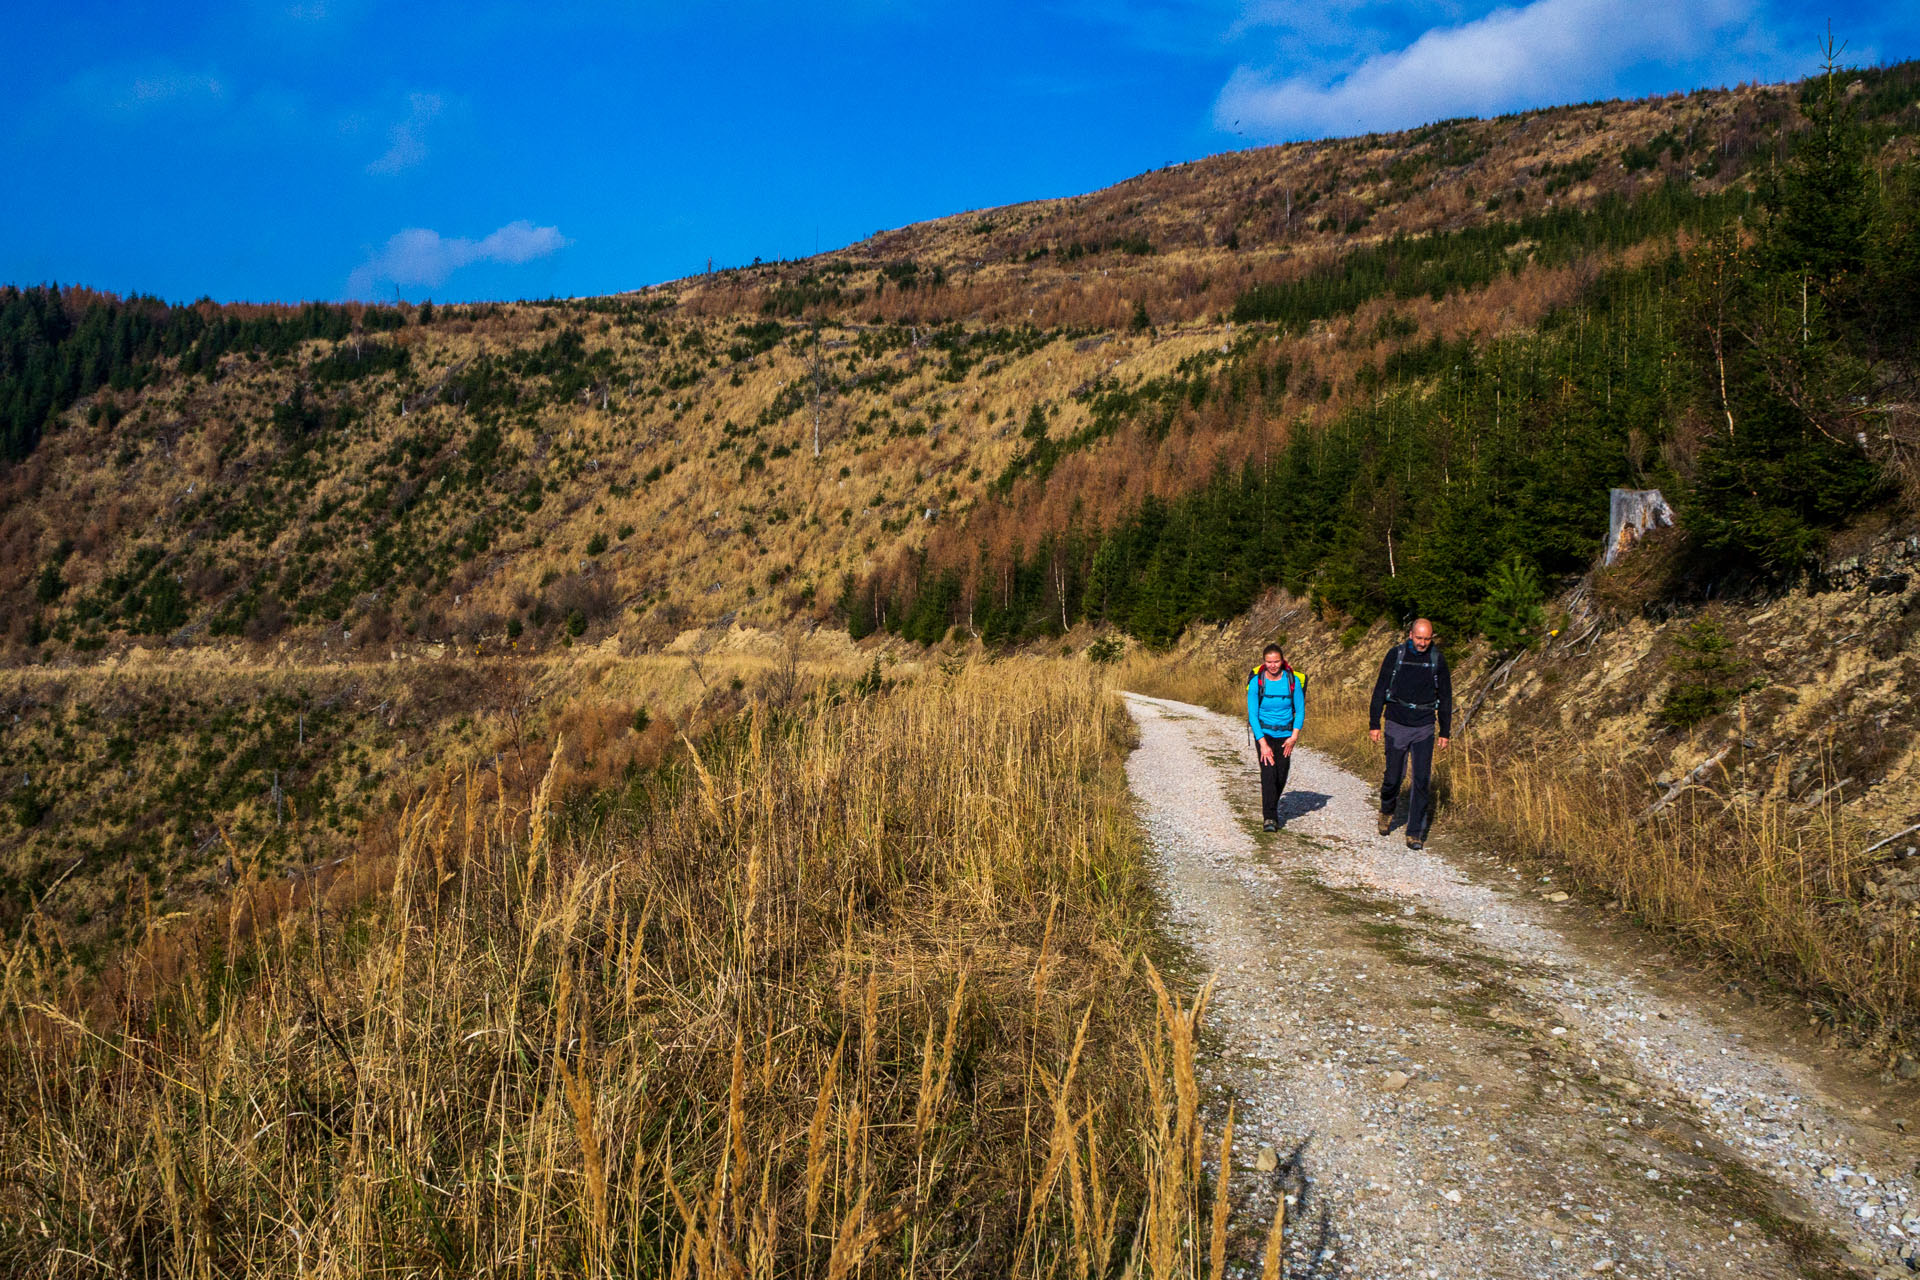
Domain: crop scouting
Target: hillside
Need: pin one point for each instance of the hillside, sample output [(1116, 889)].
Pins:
[(1387, 374), (516, 476)]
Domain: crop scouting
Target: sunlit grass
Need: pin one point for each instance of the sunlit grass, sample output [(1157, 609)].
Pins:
[(851, 984)]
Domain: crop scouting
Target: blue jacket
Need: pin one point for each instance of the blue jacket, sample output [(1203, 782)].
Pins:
[(1283, 711)]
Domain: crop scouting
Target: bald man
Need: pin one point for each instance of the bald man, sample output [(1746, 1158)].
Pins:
[(1415, 694)]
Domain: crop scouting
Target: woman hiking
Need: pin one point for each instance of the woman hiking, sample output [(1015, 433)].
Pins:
[(1276, 709)]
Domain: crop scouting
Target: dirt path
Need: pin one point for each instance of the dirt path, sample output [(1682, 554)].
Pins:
[(1460, 1077)]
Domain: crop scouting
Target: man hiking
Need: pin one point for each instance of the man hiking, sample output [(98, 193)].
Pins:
[(1416, 694), (1276, 708)]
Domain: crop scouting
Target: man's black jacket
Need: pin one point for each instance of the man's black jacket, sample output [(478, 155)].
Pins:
[(1421, 693)]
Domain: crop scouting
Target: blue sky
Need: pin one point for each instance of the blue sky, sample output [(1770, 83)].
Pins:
[(344, 148)]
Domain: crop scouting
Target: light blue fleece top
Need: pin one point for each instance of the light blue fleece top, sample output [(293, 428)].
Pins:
[(1283, 711)]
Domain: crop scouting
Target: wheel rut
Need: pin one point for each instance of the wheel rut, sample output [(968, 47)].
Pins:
[(1456, 1076)]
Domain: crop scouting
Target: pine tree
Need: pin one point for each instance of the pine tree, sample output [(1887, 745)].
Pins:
[(1774, 330), (1707, 677), (1511, 617), (1823, 206)]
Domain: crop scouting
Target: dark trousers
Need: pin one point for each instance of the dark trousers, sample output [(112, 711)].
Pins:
[(1422, 754), (1273, 779)]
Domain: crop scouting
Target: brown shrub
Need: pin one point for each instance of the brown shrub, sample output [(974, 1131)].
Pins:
[(270, 621), (1646, 573), (206, 581), (377, 626), (589, 594)]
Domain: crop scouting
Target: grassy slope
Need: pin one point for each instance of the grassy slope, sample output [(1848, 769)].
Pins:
[(861, 979), (151, 786), (560, 987), (516, 490)]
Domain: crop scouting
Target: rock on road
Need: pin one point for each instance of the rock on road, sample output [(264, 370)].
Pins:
[(1459, 1077)]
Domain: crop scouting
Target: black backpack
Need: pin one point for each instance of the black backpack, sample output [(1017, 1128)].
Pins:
[(1393, 677)]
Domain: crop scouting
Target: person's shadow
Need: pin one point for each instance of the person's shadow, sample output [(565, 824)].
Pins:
[(1298, 804), (1310, 1221)]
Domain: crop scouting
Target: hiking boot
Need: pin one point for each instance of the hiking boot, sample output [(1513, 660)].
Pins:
[(1416, 842), (1386, 823), (1269, 825)]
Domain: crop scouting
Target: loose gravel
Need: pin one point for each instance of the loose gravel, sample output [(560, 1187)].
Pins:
[(1453, 1072)]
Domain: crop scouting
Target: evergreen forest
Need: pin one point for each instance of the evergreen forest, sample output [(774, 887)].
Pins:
[(57, 346)]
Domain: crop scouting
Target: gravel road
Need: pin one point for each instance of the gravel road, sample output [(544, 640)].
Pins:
[(1458, 1073)]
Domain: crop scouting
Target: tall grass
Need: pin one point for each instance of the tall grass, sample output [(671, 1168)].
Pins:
[(854, 988), (1766, 884), (1184, 678)]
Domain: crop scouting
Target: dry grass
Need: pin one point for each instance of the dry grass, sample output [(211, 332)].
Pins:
[(853, 988), (156, 779), (1765, 883), (1186, 678)]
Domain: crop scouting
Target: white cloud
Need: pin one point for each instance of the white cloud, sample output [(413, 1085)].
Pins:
[(173, 86), (406, 140), (421, 257), (135, 91), (1545, 52)]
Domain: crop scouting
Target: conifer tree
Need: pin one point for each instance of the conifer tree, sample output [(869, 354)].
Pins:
[(1775, 333), (1511, 617), (1824, 211)]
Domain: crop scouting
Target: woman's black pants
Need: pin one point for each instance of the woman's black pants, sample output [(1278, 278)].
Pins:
[(1273, 779)]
